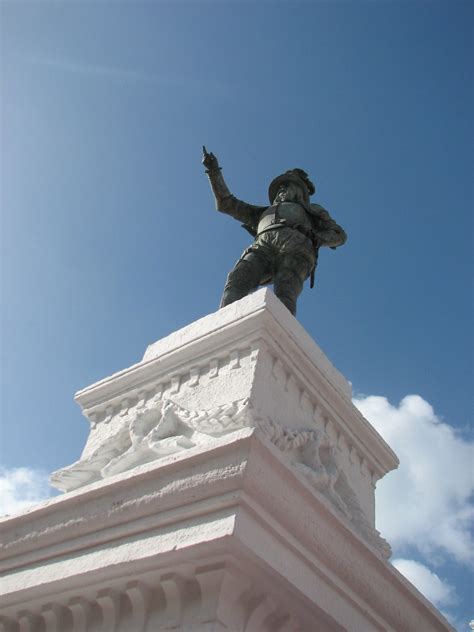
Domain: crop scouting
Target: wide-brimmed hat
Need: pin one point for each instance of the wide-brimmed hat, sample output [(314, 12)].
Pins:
[(298, 176)]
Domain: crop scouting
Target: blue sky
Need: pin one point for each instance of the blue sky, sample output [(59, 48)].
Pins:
[(110, 239)]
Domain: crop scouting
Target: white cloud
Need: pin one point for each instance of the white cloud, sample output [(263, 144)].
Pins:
[(438, 591), (425, 504), (21, 488), (101, 71)]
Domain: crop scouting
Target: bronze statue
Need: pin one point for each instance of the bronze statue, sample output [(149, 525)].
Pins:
[(288, 235)]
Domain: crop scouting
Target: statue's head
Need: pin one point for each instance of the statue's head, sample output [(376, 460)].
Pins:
[(294, 178)]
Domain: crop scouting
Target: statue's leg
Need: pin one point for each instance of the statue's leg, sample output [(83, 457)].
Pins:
[(246, 276), (292, 270)]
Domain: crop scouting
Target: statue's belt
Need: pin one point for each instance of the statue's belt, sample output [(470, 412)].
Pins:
[(308, 232)]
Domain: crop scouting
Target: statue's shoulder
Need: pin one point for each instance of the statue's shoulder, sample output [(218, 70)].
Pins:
[(318, 211)]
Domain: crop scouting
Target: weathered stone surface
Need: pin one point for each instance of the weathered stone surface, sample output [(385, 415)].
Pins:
[(227, 484), (249, 365), (224, 537)]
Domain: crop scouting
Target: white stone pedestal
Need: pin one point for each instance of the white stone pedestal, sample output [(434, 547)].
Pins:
[(227, 484)]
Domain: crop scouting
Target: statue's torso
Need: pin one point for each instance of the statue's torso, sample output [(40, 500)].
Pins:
[(289, 213)]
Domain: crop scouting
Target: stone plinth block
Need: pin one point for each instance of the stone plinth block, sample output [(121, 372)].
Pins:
[(250, 364), (227, 484)]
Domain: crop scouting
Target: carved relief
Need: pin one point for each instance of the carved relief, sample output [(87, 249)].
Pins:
[(162, 427), (318, 414), (319, 464), (314, 454), (148, 424), (157, 429), (121, 413)]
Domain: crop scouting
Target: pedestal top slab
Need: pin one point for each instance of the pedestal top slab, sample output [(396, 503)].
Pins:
[(227, 327), (249, 308)]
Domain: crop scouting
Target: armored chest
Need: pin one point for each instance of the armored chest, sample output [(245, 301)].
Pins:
[(284, 213)]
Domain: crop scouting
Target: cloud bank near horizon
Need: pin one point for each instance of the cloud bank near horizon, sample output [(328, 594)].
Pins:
[(439, 592), (21, 488), (427, 503), (424, 508)]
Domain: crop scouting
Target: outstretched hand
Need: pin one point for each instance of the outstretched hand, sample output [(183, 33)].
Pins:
[(209, 160)]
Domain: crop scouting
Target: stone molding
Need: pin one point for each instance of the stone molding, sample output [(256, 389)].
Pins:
[(227, 483), (191, 598), (240, 333), (248, 365), (238, 501), (165, 428)]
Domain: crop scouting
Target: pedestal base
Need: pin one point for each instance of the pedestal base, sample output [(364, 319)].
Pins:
[(227, 538), (227, 484)]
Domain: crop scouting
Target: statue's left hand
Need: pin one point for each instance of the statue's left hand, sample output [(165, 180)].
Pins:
[(209, 160)]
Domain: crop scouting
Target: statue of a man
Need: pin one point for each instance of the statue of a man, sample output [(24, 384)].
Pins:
[(288, 235)]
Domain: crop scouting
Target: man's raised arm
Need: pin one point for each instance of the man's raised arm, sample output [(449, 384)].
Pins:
[(225, 201)]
